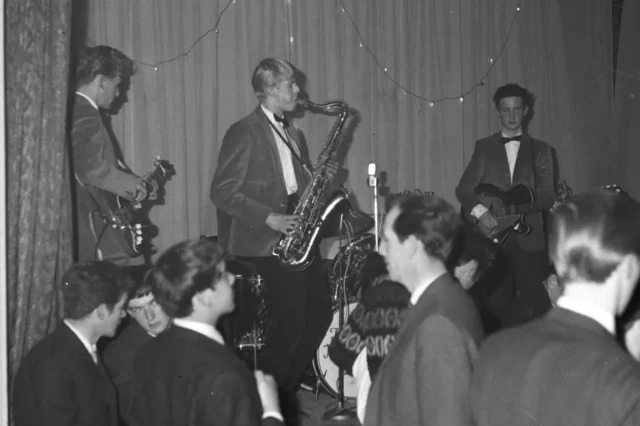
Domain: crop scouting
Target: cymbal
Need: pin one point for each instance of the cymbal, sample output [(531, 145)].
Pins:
[(356, 221)]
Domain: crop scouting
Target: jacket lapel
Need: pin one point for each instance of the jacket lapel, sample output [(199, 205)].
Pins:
[(501, 172), (266, 129), (522, 169)]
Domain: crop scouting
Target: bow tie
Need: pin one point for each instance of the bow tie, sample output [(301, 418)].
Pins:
[(283, 120), (515, 138)]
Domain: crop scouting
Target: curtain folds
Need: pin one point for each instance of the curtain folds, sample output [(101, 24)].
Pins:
[(38, 192), (353, 50)]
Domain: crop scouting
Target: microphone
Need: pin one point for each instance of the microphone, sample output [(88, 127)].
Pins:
[(373, 183)]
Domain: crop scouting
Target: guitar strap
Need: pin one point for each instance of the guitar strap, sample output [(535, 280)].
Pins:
[(294, 152)]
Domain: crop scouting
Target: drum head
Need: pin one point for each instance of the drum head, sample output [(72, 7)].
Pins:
[(325, 369)]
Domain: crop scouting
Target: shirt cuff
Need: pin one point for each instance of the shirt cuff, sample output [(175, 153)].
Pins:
[(478, 211), (273, 414)]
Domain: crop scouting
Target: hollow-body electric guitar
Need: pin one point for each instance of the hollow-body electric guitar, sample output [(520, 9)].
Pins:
[(511, 207), (125, 216)]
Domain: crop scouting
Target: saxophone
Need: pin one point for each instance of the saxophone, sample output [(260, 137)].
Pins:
[(295, 249)]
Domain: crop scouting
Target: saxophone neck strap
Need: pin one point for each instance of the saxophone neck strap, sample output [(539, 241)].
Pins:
[(288, 144)]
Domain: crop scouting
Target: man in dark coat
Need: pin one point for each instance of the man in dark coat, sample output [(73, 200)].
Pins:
[(425, 377), (147, 319), (187, 376), (61, 381), (567, 367)]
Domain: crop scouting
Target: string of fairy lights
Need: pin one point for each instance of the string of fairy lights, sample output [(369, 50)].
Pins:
[(286, 17)]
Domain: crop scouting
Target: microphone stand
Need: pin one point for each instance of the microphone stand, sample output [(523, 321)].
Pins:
[(373, 183), (340, 412)]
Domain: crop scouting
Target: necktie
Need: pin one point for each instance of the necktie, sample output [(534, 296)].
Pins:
[(283, 120), (514, 138)]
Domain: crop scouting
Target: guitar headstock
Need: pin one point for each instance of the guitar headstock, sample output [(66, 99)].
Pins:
[(164, 168), (613, 188)]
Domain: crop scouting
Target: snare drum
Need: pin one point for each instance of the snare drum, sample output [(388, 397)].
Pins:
[(326, 371)]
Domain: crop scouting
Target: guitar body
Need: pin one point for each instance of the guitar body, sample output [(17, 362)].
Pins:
[(504, 205), (127, 219), (112, 211)]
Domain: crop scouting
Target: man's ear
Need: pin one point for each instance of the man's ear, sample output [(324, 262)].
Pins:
[(102, 312), (526, 111)]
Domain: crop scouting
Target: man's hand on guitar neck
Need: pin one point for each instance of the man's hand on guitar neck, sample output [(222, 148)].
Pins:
[(487, 221)]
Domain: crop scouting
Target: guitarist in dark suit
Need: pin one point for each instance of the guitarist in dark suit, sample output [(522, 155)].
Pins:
[(62, 381), (505, 159), (99, 74)]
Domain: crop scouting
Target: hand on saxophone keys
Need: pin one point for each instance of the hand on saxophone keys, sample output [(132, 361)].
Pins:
[(287, 224)]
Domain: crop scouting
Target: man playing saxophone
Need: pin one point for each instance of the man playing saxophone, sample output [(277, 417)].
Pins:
[(260, 176)]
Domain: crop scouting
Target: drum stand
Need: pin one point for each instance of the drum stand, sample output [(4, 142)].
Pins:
[(340, 412)]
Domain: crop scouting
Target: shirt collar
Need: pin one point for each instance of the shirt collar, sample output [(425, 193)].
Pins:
[(417, 293), (270, 115), (200, 327), (91, 347), (89, 99), (596, 313)]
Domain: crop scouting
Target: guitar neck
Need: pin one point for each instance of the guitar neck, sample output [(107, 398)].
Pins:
[(536, 206)]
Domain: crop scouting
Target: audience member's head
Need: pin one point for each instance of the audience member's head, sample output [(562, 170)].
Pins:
[(418, 236), (269, 73), (472, 256), (142, 306), (190, 280), (373, 271), (594, 246), (95, 293)]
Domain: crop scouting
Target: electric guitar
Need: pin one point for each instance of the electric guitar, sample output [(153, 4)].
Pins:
[(511, 207), (126, 216)]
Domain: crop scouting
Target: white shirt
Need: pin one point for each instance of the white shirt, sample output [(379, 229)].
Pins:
[(91, 347), (89, 99), (512, 149), (417, 293), (286, 158), (210, 331), (596, 313), (361, 374), (200, 327)]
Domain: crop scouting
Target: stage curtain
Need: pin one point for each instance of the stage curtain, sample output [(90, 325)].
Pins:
[(354, 50), (38, 201), (627, 99)]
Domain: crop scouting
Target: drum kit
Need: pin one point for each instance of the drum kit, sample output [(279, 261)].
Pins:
[(250, 321)]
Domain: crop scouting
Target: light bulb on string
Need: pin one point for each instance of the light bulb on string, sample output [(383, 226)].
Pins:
[(290, 39), (461, 99)]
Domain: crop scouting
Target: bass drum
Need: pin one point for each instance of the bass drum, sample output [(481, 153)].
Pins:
[(326, 371)]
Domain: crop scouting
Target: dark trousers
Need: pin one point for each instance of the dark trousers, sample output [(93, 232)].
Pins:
[(299, 314), (527, 271)]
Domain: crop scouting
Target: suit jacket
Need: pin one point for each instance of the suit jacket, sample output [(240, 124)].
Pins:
[(118, 356), (425, 378), (248, 185), (563, 369), (535, 167), (58, 384), (95, 164), (182, 378)]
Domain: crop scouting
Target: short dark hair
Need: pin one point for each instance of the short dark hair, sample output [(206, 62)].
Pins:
[(182, 271), (141, 277), (268, 74), (471, 244), (592, 233), (102, 60), (513, 91), (432, 220), (87, 285)]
